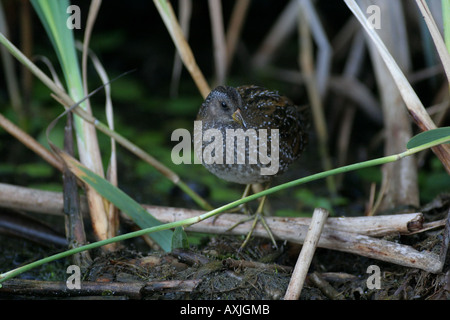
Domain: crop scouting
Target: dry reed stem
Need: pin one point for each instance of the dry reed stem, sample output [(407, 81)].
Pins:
[(402, 189), (218, 38), (131, 290), (324, 48), (350, 88), (436, 35), (11, 81), (412, 101), (166, 12), (281, 29), (75, 233), (304, 260), (30, 143), (306, 62), (111, 173), (185, 13), (234, 28), (111, 214)]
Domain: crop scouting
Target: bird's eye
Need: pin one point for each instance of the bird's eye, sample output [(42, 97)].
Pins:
[(224, 105)]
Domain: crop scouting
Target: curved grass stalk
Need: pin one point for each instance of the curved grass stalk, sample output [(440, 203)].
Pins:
[(418, 143)]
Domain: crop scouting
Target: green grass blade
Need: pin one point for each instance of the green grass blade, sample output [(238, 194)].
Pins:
[(53, 15), (427, 137), (446, 19), (180, 239), (121, 200)]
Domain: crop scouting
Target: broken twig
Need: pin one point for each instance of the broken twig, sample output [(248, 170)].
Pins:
[(304, 260)]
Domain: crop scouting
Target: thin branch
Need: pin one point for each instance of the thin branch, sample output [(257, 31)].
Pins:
[(30, 142), (281, 29), (218, 35), (323, 44), (185, 13), (133, 290), (306, 62), (304, 260), (166, 12), (234, 28)]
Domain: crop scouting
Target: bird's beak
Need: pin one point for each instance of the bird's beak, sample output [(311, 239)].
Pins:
[(237, 116)]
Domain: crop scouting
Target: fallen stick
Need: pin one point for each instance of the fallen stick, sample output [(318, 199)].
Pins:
[(133, 290), (376, 226), (324, 286), (33, 200), (347, 239), (342, 234), (304, 259)]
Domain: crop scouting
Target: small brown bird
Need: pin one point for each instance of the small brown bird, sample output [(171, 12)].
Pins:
[(279, 127), (252, 107)]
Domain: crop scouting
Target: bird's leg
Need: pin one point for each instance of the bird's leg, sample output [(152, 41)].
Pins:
[(258, 216), (240, 207), (244, 206)]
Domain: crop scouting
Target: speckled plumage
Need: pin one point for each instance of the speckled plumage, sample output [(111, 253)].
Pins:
[(259, 109)]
